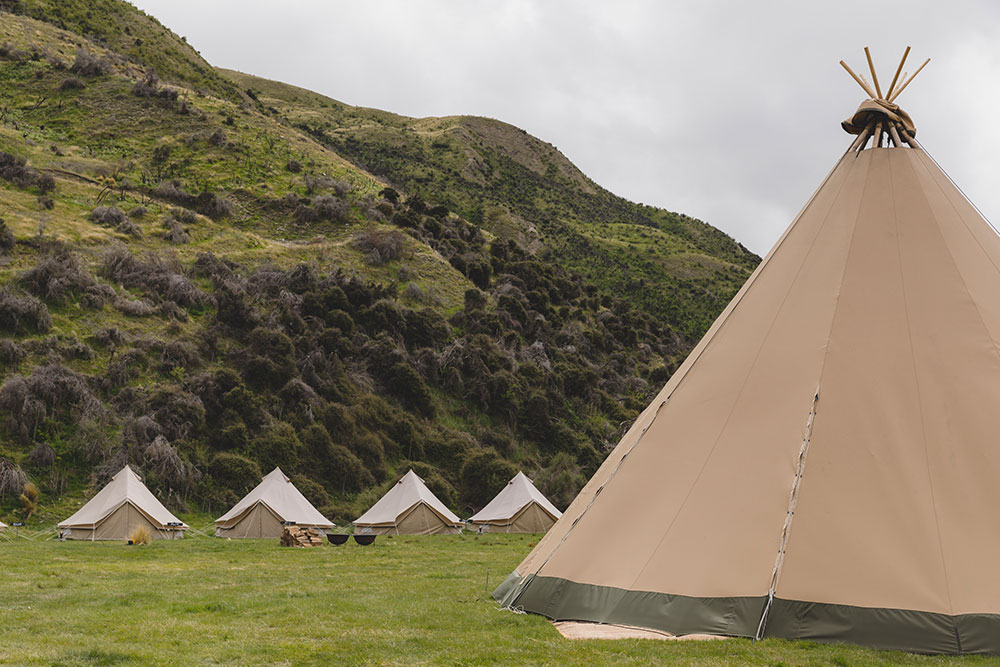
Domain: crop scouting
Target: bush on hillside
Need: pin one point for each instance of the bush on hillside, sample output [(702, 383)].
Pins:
[(22, 313), (234, 472), (71, 83), (6, 238), (88, 64), (379, 246), (483, 476)]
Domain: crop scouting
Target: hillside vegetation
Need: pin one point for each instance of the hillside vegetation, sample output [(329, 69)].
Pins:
[(206, 275), (674, 267)]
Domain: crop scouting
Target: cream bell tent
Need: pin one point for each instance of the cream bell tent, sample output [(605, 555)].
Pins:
[(264, 511), (518, 508), (2, 525), (118, 509), (408, 508), (824, 464)]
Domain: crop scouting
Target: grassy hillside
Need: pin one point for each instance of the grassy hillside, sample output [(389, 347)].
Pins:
[(196, 281), (674, 267), (399, 601)]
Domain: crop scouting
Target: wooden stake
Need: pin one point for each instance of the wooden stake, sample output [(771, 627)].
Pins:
[(912, 77), (871, 68), (899, 69), (861, 83)]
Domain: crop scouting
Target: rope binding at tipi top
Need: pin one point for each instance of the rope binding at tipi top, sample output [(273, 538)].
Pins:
[(879, 118)]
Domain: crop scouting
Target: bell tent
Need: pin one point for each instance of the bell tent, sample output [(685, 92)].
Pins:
[(518, 508), (264, 511), (118, 509), (823, 465), (408, 508)]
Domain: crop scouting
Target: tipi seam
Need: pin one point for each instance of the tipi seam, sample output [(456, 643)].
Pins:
[(916, 382)]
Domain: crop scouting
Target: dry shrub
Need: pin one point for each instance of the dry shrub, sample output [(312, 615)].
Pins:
[(114, 217), (12, 479), (379, 246), (42, 455), (174, 231), (16, 170), (168, 467), (149, 86), (59, 274), (28, 500), (153, 275), (71, 83), (7, 239), (87, 64), (135, 307), (21, 313), (11, 354), (141, 536)]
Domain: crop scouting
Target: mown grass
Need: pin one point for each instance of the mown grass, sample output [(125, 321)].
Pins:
[(401, 601)]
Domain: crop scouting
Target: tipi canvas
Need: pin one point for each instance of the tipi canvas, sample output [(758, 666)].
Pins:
[(118, 509), (518, 508), (264, 511), (824, 464), (408, 508)]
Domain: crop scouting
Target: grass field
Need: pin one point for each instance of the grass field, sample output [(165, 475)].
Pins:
[(404, 600)]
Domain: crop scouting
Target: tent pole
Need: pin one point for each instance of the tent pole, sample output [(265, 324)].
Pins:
[(871, 68), (910, 140), (861, 83), (912, 77), (859, 143), (894, 134), (899, 69)]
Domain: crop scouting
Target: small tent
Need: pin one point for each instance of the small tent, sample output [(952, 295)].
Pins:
[(2, 525), (263, 511), (118, 509), (409, 508), (518, 508)]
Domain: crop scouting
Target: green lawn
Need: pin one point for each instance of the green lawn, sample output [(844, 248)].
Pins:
[(400, 601)]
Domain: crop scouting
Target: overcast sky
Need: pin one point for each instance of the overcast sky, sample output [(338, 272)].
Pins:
[(726, 111)]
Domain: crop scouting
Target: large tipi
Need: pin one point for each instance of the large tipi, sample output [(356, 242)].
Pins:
[(264, 511), (118, 509), (824, 464), (518, 508), (408, 508)]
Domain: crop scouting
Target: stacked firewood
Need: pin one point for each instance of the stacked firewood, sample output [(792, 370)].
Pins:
[(293, 536)]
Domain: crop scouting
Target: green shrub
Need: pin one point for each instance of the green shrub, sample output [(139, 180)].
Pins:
[(483, 476), (277, 446), (411, 389), (234, 472)]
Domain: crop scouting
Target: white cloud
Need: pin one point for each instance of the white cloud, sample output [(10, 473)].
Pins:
[(728, 111)]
